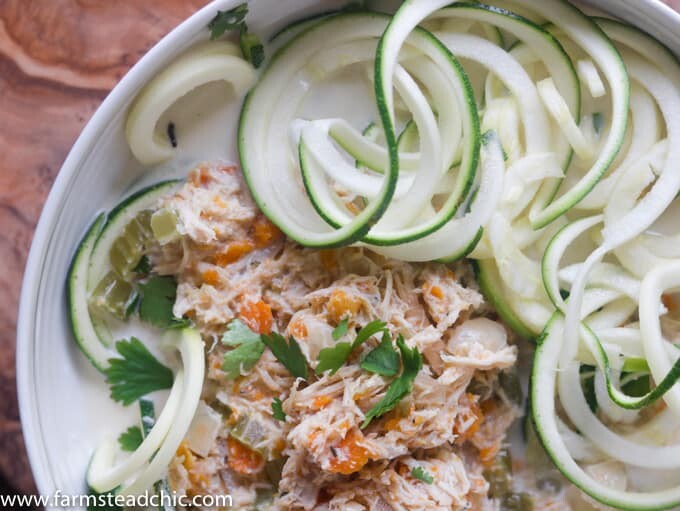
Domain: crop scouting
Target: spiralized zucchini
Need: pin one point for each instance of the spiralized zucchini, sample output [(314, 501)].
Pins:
[(209, 62), (539, 141)]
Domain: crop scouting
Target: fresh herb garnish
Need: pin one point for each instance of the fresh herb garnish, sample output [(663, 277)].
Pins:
[(412, 362), (143, 266), (251, 47), (158, 297), (288, 353), (384, 359), (227, 20), (239, 333), (248, 348), (131, 439), (242, 358), (137, 373), (333, 358), (422, 474), (340, 330), (277, 410)]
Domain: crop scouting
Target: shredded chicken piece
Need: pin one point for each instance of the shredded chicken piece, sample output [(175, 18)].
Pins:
[(228, 254)]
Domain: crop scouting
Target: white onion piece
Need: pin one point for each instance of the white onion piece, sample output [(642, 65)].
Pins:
[(205, 63)]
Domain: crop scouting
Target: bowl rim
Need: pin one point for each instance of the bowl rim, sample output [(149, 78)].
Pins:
[(653, 11), (162, 52)]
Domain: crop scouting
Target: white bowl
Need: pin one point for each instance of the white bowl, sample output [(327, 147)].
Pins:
[(65, 411)]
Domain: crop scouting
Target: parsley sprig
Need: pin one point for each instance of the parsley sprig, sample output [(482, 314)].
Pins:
[(248, 348), (287, 352), (158, 296), (227, 20), (422, 474), (131, 439), (235, 19), (340, 330), (384, 359), (277, 410), (412, 362), (137, 373), (332, 359)]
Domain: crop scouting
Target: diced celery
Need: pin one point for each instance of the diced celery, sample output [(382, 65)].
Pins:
[(114, 295), (164, 226), (128, 249)]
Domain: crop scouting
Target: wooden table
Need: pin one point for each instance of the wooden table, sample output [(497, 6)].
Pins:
[(58, 60)]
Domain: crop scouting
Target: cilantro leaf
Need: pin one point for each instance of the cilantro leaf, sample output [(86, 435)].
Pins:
[(242, 358), (422, 474), (340, 330), (158, 297), (137, 373), (239, 333), (251, 47), (383, 359), (131, 439), (333, 358), (227, 20), (402, 386), (288, 353), (277, 410)]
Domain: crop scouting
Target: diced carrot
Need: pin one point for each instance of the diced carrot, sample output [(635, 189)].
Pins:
[(197, 478), (234, 251), (257, 315), (437, 292), (488, 454), (211, 277), (393, 424), (321, 402), (328, 260), (265, 232), (200, 176), (467, 424), (227, 169), (183, 451), (298, 329), (341, 305), (217, 200), (349, 455), (242, 459)]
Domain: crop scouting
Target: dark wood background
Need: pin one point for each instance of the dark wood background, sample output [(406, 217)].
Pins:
[(58, 60)]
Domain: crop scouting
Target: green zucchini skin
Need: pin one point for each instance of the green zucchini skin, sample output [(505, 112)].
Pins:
[(83, 331), (84, 275)]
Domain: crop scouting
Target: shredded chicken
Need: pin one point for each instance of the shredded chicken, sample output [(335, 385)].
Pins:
[(231, 263)]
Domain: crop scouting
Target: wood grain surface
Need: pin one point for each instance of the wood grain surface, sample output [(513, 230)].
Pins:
[(58, 60)]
